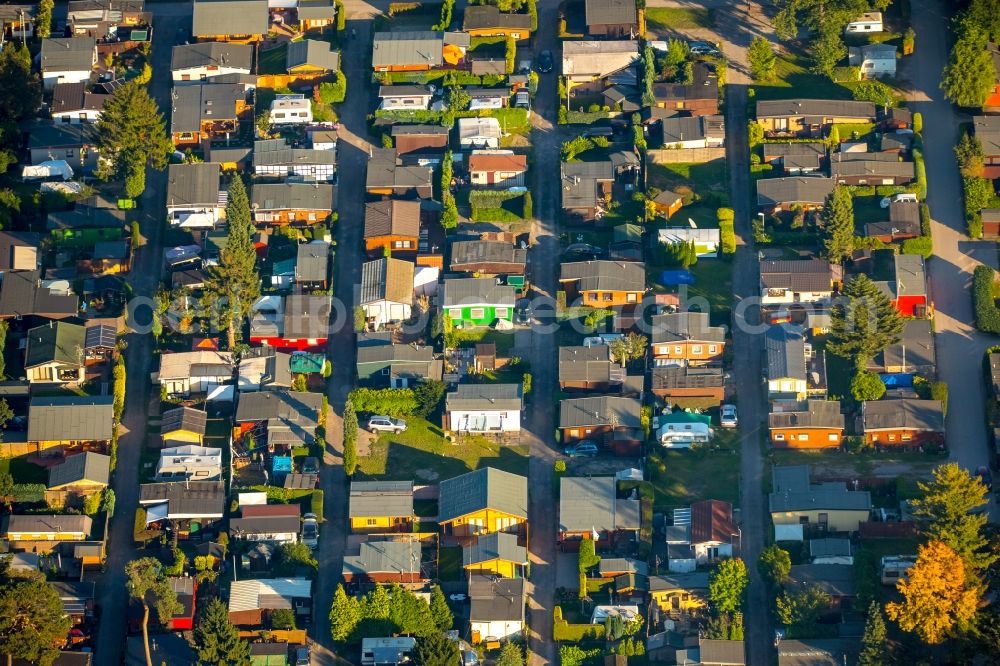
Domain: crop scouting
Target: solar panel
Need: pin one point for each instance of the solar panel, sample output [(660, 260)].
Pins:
[(101, 336)]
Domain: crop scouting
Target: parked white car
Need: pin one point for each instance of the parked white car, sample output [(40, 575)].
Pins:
[(727, 416), (386, 424), (310, 530)]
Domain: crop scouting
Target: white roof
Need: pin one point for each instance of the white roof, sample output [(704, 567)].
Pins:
[(252, 499), (178, 365), (601, 612), (274, 593), (295, 102), (685, 234), (469, 128)]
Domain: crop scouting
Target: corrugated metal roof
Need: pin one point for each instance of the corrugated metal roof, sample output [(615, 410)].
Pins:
[(381, 498), (475, 291), (229, 17), (484, 397), (494, 546), (61, 418), (407, 48), (483, 488), (87, 466), (271, 594), (599, 411)]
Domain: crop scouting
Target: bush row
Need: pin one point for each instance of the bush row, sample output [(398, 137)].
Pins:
[(564, 631), (987, 314)]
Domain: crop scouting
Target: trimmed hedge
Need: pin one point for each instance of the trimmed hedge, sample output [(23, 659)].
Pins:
[(488, 206), (491, 198), (584, 117), (921, 170), (29, 492), (987, 314), (574, 633), (925, 220), (727, 229), (922, 245)]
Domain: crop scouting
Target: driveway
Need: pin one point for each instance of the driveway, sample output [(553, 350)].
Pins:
[(112, 598), (960, 347), (352, 158)]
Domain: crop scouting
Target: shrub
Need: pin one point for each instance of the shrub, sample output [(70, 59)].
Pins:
[(922, 245), (925, 220), (727, 231), (921, 171), (333, 92), (341, 15), (867, 386), (574, 633), (984, 304), (978, 193), (391, 402), (527, 211), (918, 123)]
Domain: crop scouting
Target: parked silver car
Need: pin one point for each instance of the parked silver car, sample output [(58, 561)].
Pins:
[(386, 424), (310, 530)]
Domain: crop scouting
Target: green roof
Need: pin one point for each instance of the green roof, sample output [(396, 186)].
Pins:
[(57, 341)]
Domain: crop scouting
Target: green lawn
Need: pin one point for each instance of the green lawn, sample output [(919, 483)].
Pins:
[(422, 453), (273, 61), (704, 214), (713, 281), (23, 471), (682, 477), (920, 464), (705, 178), (867, 209), (470, 336), (660, 19), (794, 79), (867, 564), (450, 563)]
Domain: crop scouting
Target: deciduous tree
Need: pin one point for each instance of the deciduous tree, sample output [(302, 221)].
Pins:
[(727, 584), (866, 324), (970, 155), (33, 625), (803, 607), (345, 614), (866, 385), (936, 596), (762, 59), (148, 585), (969, 75), (774, 565), (949, 504), (216, 640), (827, 50), (43, 18), (510, 655)]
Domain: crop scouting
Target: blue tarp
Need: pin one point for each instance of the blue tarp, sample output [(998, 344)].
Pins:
[(677, 276), (281, 464), (897, 380)]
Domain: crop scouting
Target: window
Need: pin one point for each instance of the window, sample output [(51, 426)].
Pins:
[(312, 217), (591, 296), (779, 436), (502, 313), (833, 437), (803, 520), (678, 349), (892, 438), (631, 298), (386, 370), (371, 522), (185, 77), (803, 437), (477, 313), (906, 437), (696, 349), (608, 298)]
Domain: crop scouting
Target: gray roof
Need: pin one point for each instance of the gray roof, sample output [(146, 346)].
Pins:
[(874, 168), (829, 547), (786, 352), (793, 189), (987, 129), (812, 652), (911, 277), (208, 54), (384, 557), (22, 294), (87, 466), (496, 600), (691, 128), (484, 397), (306, 316), (580, 180), (187, 498), (52, 134), (603, 275), (193, 184), (417, 130), (683, 326), (61, 418), (599, 411), (704, 87), (810, 414), (381, 498), (387, 279), (797, 275), (903, 414), (695, 580), (384, 172), (905, 212), (622, 564), (277, 152), (294, 196), (312, 52), (589, 503), (829, 108), (494, 546), (489, 16), (407, 48), (591, 57), (592, 364), (393, 353), (793, 492), (668, 377), (486, 252), (835, 579), (70, 97), (253, 525), (205, 102), (392, 217), (291, 415), (184, 418), (483, 488), (40, 523), (915, 349), (797, 149), (404, 90), (721, 653), (312, 261), (229, 17), (316, 9), (68, 54), (475, 291), (605, 12)]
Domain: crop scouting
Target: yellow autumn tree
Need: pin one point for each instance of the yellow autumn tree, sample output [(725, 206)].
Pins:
[(935, 595)]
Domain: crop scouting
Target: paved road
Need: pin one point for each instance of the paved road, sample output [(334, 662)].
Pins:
[(352, 158), (543, 264), (959, 347), (144, 278)]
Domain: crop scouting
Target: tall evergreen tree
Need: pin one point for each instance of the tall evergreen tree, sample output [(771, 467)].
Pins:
[(436, 650), (146, 579), (234, 284), (43, 18), (133, 136), (874, 649), (439, 609), (838, 224), (345, 615), (33, 625), (949, 503), (216, 640), (865, 324), (20, 89), (510, 655)]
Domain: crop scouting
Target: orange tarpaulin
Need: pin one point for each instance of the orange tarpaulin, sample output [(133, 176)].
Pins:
[(452, 54)]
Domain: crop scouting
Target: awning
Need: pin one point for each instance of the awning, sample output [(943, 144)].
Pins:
[(157, 512)]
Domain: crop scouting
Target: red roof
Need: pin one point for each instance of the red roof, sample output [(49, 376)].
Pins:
[(712, 520), (494, 162), (256, 510)]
